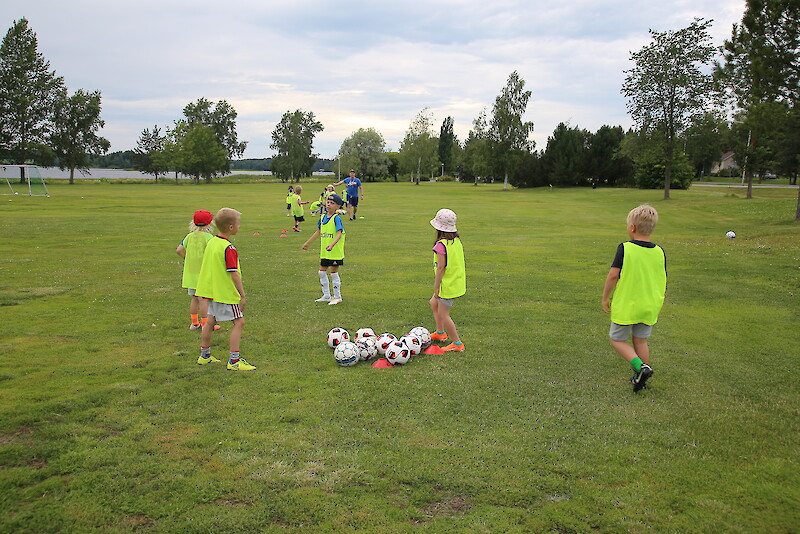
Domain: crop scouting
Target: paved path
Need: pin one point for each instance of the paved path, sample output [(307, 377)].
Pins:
[(726, 184)]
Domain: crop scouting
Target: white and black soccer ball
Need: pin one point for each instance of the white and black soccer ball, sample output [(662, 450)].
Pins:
[(367, 348), (364, 332), (346, 354), (412, 342), (384, 340), (423, 334), (730, 234), (336, 336), (397, 353)]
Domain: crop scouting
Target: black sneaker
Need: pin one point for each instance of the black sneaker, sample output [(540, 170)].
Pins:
[(640, 379)]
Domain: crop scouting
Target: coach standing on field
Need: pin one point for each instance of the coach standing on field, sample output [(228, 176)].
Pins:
[(355, 192)]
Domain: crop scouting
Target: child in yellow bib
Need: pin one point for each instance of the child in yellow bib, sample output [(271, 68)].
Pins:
[(192, 249), (638, 290), (450, 281), (297, 208), (330, 230)]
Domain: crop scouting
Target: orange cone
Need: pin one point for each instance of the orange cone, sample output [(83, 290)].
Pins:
[(433, 349), (383, 363)]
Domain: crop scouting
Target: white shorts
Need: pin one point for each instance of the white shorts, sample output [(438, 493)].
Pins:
[(191, 292), (621, 332), (224, 312)]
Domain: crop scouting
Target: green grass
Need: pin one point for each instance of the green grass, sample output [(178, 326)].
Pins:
[(108, 425)]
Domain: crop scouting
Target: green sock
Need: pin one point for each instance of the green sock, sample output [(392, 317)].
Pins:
[(636, 363), (439, 332), (458, 342)]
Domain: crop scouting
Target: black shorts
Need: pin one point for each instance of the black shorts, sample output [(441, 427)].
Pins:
[(299, 219), (330, 263), (353, 201), (288, 206)]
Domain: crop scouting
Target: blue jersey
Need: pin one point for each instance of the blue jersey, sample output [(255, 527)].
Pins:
[(352, 186)]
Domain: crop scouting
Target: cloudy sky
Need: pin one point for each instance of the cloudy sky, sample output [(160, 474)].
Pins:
[(354, 64)]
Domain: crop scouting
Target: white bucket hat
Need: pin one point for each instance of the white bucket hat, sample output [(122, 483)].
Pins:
[(445, 220)]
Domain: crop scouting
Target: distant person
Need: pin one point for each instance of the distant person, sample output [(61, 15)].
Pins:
[(192, 249), (355, 192), (289, 197), (297, 208), (331, 250), (220, 281), (450, 280), (638, 293)]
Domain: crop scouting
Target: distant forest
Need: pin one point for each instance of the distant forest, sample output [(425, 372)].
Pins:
[(125, 160)]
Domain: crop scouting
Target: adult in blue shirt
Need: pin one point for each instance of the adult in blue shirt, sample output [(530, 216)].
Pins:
[(355, 192)]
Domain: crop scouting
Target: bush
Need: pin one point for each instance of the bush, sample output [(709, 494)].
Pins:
[(650, 175)]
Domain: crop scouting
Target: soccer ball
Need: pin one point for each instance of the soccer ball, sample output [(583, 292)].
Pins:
[(346, 354), (367, 348), (731, 234), (336, 336), (412, 342), (397, 353), (383, 342), (364, 332), (422, 333)]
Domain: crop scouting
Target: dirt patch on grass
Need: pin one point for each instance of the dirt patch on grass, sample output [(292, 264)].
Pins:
[(445, 507), (138, 522), (23, 435)]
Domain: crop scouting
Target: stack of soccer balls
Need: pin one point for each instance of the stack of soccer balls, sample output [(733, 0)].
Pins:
[(366, 345)]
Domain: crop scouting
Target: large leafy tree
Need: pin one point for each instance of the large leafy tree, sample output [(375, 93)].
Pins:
[(508, 132), (202, 155), (365, 151), (564, 159), (293, 140), (221, 118), (667, 86), (74, 138), (29, 90), (761, 67), (418, 150), (149, 153), (705, 141), (604, 162), (476, 156)]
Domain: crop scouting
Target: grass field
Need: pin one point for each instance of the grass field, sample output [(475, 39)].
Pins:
[(109, 425)]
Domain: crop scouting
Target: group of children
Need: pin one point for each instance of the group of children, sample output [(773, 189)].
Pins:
[(213, 277)]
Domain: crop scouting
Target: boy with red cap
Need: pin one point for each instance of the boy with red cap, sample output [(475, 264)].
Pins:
[(191, 250)]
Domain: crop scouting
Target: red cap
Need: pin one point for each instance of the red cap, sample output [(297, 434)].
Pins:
[(203, 218)]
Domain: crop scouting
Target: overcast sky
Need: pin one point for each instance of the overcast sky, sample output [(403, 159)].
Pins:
[(354, 64)]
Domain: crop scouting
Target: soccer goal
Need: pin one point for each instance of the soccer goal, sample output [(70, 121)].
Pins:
[(24, 180)]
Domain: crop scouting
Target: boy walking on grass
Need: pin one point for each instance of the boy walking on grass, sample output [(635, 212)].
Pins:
[(638, 281), (221, 281)]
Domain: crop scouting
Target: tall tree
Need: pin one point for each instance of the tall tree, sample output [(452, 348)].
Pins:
[(448, 144), (202, 155), (221, 118), (418, 150), (564, 159), (667, 85), (28, 93), (74, 137), (476, 157), (605, 164), (704, 140), (508, 133), (762, 66), (365, 151), (293, 140), (149, 157)]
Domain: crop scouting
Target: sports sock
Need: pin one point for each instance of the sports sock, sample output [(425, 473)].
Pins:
[(205, 352), (636, 363), (442, 332), (203, 321), (194, 318), (458, 342), (337, 285), (323, 281), (234, 357)]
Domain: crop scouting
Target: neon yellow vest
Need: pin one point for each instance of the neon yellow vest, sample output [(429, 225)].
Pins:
[(289, 198), (215, 281), (327, 233), (639, 294), (297, 208), (454, 281), (195, 245)]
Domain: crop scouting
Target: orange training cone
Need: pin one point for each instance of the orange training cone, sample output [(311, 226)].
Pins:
[(383, 363), (256, 233), (433, 349)]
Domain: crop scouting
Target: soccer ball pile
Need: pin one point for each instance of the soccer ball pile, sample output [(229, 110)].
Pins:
[(365, 345)]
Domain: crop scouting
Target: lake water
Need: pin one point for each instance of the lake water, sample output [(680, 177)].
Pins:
[(54, 173)]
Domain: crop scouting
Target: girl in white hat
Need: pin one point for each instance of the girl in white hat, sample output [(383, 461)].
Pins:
[(451, 281)]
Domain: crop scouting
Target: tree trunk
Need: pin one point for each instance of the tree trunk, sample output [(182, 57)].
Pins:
[(505, 182), (668, 169), (419, 163), (72, 175), (797, 213)]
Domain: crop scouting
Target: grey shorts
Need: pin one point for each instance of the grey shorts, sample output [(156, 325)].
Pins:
[(447, 302), (224, 312), (621, 332), (191, 292)]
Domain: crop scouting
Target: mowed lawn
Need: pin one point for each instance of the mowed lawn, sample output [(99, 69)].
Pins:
[(109, 425)]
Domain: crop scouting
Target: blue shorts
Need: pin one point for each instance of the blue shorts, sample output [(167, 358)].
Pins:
[(353, 201)]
